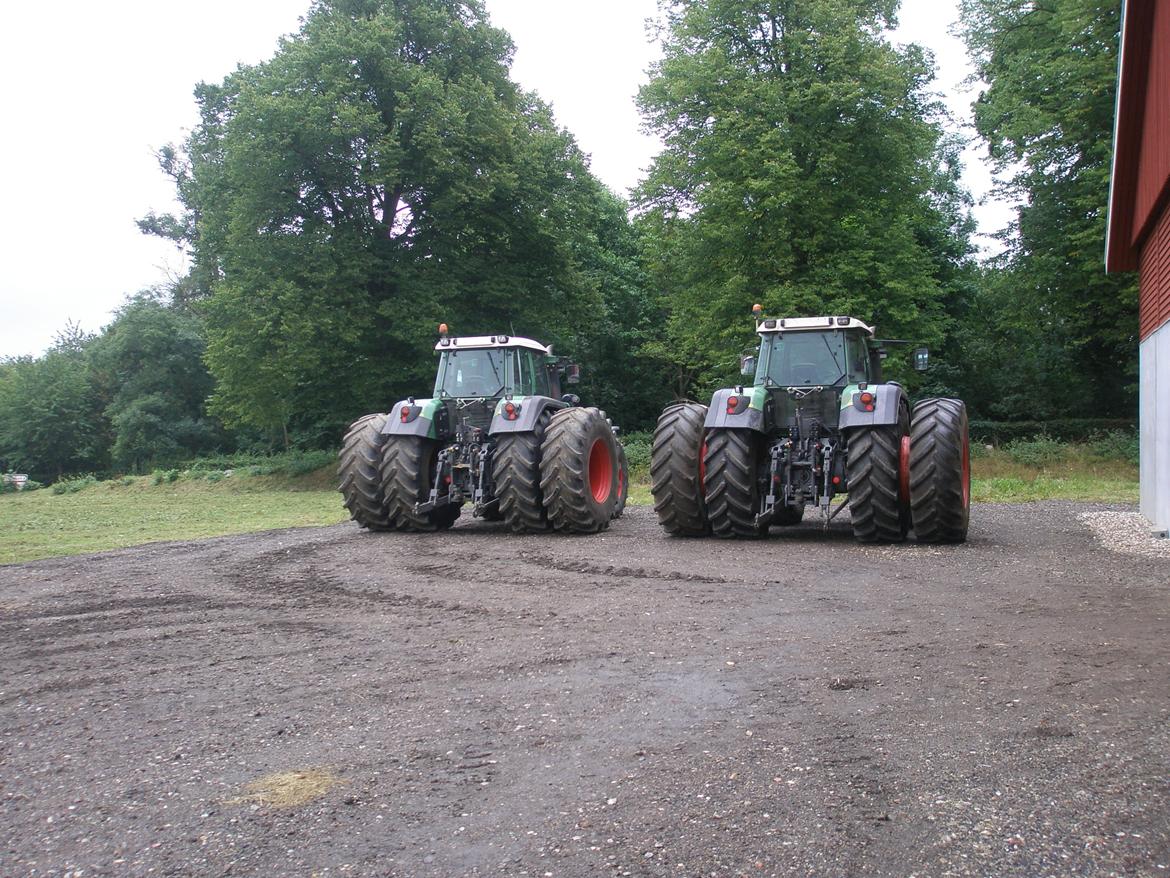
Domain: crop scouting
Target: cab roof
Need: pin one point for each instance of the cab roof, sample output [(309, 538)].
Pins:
[(804, 324), (482, 342)]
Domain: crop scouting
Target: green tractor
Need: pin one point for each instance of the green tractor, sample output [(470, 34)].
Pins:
[(497, 434), (816, 421)]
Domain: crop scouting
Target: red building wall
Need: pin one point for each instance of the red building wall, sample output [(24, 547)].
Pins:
[(1154, 165), (1155, 277)]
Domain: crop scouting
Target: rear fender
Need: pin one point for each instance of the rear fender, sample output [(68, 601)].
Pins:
[(420, 420), (887, 405), (746, 417), (530, 409)]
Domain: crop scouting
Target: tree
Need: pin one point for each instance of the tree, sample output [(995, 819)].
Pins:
[(1047, 114), (148, 369), (380, 174), (805, 168), (50, 414)]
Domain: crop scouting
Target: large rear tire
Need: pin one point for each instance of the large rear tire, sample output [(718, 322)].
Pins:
[(578, 470), (940, 471), (408, 464), (516, 472), (733, 489), (677, 470), (357, 472), (873, 471)]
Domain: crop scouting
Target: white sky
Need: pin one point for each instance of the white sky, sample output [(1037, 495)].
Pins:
[(89, 93)]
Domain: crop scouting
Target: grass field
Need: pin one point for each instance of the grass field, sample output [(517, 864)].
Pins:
[(202, 503), (109, 515)]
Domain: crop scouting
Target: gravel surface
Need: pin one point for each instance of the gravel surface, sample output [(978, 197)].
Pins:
[(324, 702), (1126, 532)]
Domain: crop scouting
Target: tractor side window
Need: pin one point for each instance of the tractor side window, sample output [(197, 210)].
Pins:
[(529, 377), (858, 353), (540, 385)]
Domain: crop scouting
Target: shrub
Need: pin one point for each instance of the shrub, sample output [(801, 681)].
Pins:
[(1038, 452), (637, 447), (1115, 445), (72, 486), (165, 475)]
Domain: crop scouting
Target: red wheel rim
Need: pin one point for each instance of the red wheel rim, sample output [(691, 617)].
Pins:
[(904, 470), (600, 470)]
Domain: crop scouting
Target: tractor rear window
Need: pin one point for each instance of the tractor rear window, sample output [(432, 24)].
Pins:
[(802, 359), (474, 373)]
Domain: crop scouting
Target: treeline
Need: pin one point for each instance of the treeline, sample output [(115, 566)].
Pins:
[(382, 173)]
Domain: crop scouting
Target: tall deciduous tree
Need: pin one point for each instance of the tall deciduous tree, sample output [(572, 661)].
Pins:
[(380, 174), (1047, 115), (806, 168)]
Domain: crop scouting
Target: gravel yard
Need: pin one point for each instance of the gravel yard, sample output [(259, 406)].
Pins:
[(323, 701)]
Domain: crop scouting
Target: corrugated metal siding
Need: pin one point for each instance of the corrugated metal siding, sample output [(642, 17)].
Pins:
[(1154, 308), (1154, 166)]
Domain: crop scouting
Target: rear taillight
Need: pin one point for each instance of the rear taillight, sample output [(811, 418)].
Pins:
[(511, 411)]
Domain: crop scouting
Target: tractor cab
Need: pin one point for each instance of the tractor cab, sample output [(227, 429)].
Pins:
[(495, 366), (813, 352)]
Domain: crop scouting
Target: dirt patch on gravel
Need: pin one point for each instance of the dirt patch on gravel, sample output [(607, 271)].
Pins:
[(625, 704)]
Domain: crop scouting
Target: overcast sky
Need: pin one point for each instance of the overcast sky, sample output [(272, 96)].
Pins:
[(90, 91)]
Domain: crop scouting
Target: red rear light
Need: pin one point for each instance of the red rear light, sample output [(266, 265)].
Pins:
[(404, 413), (867, 398), (732, 404), (511, 410)]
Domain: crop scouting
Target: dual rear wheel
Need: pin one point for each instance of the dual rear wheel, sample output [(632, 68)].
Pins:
[(569, 473), (915, 473)]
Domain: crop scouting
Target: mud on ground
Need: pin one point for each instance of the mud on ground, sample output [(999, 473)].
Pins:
[(331, 702)]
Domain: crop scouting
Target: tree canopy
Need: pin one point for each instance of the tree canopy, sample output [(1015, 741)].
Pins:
[(379, 174), (806, 167), (1047, 116)]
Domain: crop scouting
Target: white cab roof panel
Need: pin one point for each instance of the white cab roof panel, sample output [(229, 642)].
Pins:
[(797, 324), (480, 342)]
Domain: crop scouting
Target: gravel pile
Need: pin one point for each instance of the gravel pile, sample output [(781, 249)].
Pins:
[(1129, 532)]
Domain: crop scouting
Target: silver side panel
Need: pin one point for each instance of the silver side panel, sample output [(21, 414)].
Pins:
[(1154, 417)]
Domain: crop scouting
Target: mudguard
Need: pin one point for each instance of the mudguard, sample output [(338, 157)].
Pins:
[(421, 420), (748, 414), (531, 408), (888, 400)]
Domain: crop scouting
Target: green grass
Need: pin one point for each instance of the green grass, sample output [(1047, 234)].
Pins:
[(110, 515), (239, 495)]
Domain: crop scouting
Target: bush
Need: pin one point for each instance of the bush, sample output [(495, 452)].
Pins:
[(72, 486), (1115, 445), (637, 447), (165, 475), (1038, 452), (216, 476)]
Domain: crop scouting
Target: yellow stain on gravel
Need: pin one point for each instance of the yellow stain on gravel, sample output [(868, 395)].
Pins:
[(288, 789)]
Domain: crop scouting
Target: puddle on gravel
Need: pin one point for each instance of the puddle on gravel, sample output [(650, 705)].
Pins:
[(288, 789)]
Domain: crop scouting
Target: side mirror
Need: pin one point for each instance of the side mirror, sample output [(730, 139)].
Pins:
[(921, 359), (572, 374), (747, 366)]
